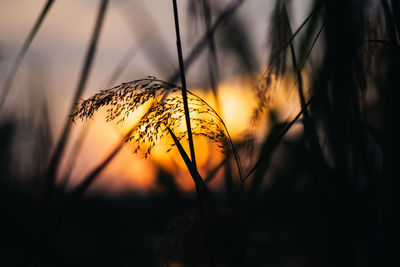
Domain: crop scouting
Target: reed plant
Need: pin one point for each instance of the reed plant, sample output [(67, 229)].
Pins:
[(327, 192)]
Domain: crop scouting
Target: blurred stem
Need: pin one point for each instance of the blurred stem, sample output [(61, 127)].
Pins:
[(184, 88), (55, 161), (22, 52), (74, 155), (309, 127), (274, 138), (315, 11), (188, 62), (89, 179), (202, 43), (212, 60), (268, 148)]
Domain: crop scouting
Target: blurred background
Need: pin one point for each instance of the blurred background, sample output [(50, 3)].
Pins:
[(304, 88), (137, 39)]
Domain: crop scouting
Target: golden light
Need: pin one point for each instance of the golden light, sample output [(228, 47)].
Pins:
[(237, 101)]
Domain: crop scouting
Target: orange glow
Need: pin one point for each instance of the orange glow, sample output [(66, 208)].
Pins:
[(237, 102), (127, 171), (284, 98), (130, 171)]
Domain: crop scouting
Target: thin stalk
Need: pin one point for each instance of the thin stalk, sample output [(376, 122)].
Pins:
[(298, 30), (202, 43), (287, 125), (203, 194), (188, 62), (121, 66), (211, 175), (311, 47), (127, 58), (300, 85), (55, 161), (89, 179), (212, 60), (309, 127), (201, 188), (11, 75), (74, 155), (183, 81), (276, 139)]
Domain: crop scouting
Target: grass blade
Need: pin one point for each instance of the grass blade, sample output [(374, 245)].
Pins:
[(309, 127), (277, 133), (183, 81), (202, 43), (55, 160), (267, 150), (201, 188), (22, 52), (89, 179), (126, 59), (229, 11)]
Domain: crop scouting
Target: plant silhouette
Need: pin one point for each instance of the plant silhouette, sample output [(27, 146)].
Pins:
[(318, 188), (126, 98)]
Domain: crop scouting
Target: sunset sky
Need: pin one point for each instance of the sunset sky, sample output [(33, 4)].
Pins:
[(51, 68)]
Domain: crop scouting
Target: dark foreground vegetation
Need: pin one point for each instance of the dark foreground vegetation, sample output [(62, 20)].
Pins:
[(331, 191)]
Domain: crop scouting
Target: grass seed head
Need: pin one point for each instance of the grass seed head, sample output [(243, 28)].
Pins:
[(124, 99)]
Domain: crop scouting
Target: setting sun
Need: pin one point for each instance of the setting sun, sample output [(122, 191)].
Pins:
[(198, 133)]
